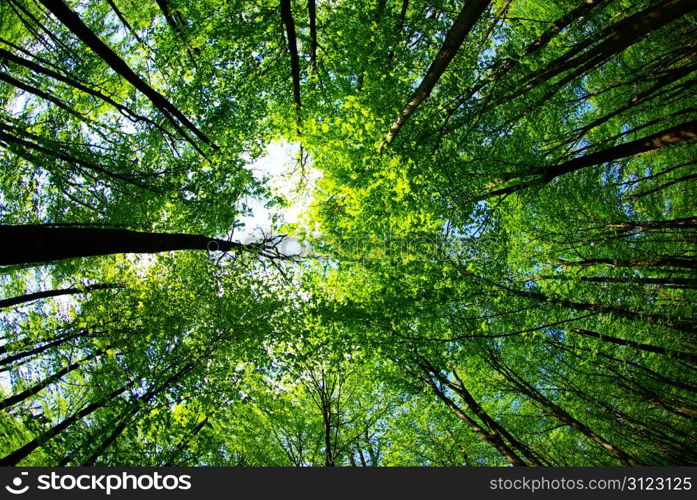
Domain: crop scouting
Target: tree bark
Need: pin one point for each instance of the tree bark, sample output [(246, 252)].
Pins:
[(21, 453), (30, 297), (289, 23), (135, 407), (312, 12), (37, 68), (613, 40), (67, 157), (692, 358), (479, 411), (34, 243), (668, 137), (38, 350), (73, 22), (487, 436), (31, 391), (123, 20), (659, 262), (183, 443), (563, 416), (464, 23)]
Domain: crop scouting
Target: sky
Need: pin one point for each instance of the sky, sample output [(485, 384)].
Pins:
[(279, 167)]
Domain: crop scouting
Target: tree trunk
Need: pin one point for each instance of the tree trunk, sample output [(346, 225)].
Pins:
[(21, 453), (183, 443), (13, 139), (37, 68), (613, 40), (123, 20), (488, 437), (561, 23), (692, 358), (30, 297), (35, 244), (31, 391), (674, 135), (563, 416), (38, 350), (289, 23), (135, 407), (477, 409), (312, 12), (464, 23), (73, 22), (685, 263)]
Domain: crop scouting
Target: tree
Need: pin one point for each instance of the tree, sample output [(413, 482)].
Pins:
[(481, 252)]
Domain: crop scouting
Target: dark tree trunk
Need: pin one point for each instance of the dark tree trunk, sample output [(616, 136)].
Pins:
[(36, 244), (659, 262), (400, 27), (563, 416), (671, 282), (289, 23), (312, 12), (31, 391), (185, 441), (648, 225), (123, 20), (489, 437), (29, 297), (479, 411), (464, 23), (613, 40), (38, 350), (134, 408), (573, 15), (674, 135), (692, 358), (21, 453), (73, 22), (37, 68), (24, 143)]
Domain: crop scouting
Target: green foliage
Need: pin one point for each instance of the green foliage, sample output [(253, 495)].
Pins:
[(511, 280)]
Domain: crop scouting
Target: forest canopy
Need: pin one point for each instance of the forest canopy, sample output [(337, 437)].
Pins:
[(474, 243)]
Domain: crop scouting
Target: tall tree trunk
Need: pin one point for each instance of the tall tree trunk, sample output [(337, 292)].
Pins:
[(30, 297), (562, 415), (23, 452), (4, 77), (489, 437), (557, 26), (134, 408), (668, 137), (289, 23), (464, 23), (10, 138), (678, 262), (31, 391), (35, 244), (671, 282), (648, 225), (37, 68), (692, 358), (479, 411), (400, 26), (185, 441), (312, 12), (123, 20), (613, 40), (41, 349), (677, 324), (73, 22)]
